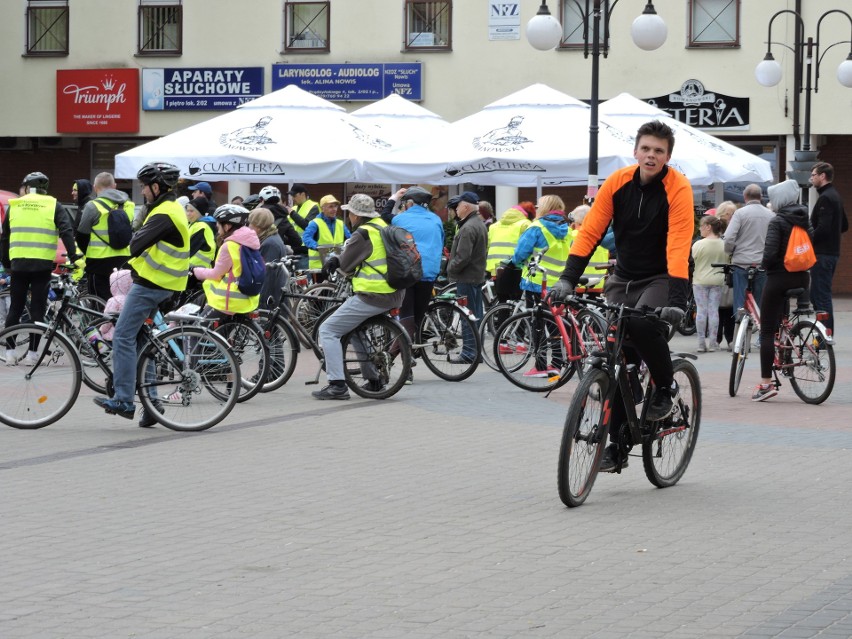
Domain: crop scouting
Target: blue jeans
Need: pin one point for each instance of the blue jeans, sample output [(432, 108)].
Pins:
[(821, 275), (141, 303), (473, 292), (740, 283)]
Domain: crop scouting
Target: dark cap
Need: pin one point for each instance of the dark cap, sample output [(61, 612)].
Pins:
[(298, 188), (200, 204), (204, 187), (469, 196)]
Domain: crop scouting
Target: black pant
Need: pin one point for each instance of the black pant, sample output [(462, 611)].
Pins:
[(37, 284), (771, 309), (726, 325), (414, 305)]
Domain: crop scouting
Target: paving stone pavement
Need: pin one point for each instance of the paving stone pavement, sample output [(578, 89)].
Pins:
[(432, 514)]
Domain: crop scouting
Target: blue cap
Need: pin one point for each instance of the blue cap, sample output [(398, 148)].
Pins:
[(204, 187)]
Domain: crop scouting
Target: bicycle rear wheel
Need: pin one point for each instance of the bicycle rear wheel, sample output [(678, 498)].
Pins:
[(36, 396), (813, 368), (583, 439), (376, 358), (666, 452), (491, 321), (186, 379), (246, 340), (535, 359), (687, 326), (742, 347), (283, 351), (441, 342)]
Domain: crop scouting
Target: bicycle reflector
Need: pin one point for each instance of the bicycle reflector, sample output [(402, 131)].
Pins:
[(461, 300), (822, 316)]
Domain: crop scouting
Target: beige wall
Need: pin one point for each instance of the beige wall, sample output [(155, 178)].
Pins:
[(477, 71)]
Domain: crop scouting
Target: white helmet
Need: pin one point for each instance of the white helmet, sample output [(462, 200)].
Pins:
[(270, 194)]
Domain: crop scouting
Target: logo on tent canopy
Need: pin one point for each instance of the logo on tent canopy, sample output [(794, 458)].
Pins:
[(248, 138), (494, 166), (504, 139), (197, 169)]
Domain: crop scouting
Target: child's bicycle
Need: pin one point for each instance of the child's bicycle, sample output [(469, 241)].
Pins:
[(803, 351), (667, 444), (42, 368)]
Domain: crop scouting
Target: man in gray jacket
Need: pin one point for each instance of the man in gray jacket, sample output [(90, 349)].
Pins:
[(467, 261), (744, 241)]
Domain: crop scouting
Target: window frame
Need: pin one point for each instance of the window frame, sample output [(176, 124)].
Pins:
[(692, 43), (407, 30), (289, 5), (581, 26), (37, 6), (146, 6)]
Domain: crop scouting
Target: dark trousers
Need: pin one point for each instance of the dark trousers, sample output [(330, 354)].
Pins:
[(98, 284), (37, 284), (771, 310), (822, 273), (414, 306)]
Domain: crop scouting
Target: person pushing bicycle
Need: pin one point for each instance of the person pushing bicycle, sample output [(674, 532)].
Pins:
[(651, 209)]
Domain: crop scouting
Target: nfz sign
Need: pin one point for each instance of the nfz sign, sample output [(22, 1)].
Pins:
[(504, 20)]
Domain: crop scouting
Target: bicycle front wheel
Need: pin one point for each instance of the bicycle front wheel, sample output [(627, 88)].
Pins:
[(283, 351), (488, 326), (742, 347), (246, 340), (812, 368), (448, 342), (188, 380), (376, 358), (309, 309), (583, 439), (42, 377), (530, 353), (666, 452), (592, 333)]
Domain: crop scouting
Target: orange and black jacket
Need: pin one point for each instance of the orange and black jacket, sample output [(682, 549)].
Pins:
[(653, 226)]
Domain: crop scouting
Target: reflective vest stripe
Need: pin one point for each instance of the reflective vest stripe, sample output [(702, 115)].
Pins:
[(163, 264), (371, 277), (303, 210), (502, 240), (99, 247), (224, 294), (324, 236), (554, 258), (203, 258), (32, 230)]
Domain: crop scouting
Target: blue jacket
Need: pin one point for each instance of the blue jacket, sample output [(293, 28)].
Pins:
[(428, 232), (532, 240)]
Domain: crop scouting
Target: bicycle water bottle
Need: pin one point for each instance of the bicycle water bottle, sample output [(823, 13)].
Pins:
[(93, 335)]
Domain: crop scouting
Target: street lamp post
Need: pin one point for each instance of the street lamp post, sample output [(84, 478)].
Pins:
[(807, 60), (544, 32)]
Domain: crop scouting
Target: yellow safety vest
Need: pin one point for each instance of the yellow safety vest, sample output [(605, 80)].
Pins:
[(32, 231), (554, 258), (224, 294), (371, 276), (502, 240), (303, 210), (324, 237), (202, 258), (164, 264), (600, 256), (98, 248)]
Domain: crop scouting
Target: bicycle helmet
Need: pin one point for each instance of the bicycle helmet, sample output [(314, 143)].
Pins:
[(162, 173), (232, 214), (270, 194), (418, 195), (251, 202), (36, 180)]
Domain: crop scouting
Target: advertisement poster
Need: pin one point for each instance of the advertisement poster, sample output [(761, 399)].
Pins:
[(97, 101), (200, 89)]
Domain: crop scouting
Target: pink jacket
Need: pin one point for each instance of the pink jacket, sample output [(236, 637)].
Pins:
[(244, 236)]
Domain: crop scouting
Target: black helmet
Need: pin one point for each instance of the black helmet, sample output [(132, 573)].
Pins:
[(418, 195), (36, 180), (232, 214), (162, 173), (251, 202)]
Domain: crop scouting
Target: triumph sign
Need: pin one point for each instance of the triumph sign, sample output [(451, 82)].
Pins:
[(97, 101)]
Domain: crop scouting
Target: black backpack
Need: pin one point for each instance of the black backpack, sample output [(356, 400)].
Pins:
[(119, 229), (253, 273), (405, 267)]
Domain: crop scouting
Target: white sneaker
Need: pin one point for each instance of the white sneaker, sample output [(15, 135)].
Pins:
[(31, 358), (11, 357)]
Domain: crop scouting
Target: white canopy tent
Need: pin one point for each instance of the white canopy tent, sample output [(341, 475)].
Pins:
[(401, 120), (288, 135)]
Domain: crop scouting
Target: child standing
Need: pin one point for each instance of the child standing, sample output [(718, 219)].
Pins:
[(707, 281)]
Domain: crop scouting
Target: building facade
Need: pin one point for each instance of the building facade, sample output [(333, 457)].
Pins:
[(162, 65)]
